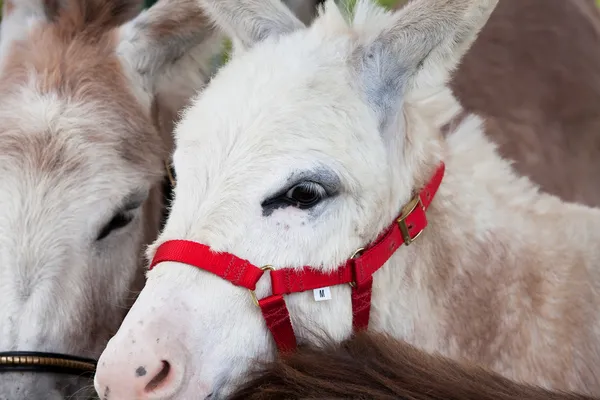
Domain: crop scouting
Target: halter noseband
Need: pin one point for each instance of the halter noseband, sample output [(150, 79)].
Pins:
[(357, 271)]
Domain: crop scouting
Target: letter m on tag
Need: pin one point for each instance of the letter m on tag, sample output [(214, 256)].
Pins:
[(322, 294)]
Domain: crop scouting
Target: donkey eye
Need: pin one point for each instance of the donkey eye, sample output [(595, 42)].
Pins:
[(305, 194), (120, 220)]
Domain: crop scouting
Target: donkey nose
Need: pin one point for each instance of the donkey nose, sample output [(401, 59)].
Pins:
[(140, 374)]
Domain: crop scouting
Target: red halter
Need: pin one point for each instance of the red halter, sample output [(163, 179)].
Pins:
[(357, 271)]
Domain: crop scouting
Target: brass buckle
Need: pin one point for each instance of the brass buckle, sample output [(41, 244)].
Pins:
[(356, 254), (169, 173), (406, 211), (252, 293)]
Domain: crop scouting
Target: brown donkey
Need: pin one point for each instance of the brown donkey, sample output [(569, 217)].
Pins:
[(533, 74), (81, 168), (378, 367)]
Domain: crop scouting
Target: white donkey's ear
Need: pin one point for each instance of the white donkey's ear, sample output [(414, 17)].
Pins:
[(172, 41), (250, 21), (415, 50), (432, 36)]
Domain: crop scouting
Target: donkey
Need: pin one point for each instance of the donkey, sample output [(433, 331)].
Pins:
[(377, 367), (82, 166), (532, 77), (337, 180)]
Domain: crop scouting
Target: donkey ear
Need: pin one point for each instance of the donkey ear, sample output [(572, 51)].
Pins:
[(430, 37), (414, 50), (251, 21), (173, 40)]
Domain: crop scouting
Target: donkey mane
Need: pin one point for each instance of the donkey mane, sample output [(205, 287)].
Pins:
[(89, 17), (376, 366)]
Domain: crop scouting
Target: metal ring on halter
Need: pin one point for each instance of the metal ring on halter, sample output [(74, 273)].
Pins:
[(252, 293), (356, 254), (169, 174)]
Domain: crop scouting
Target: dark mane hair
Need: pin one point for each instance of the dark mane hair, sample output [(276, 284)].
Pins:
[(90, 17), (375, 366)]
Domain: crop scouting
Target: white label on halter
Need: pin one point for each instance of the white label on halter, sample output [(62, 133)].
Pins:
[(322, 294)]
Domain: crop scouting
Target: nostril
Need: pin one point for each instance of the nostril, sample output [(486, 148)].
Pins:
[(160, 378)]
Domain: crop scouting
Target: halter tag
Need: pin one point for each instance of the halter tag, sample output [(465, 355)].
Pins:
[(322, 294)]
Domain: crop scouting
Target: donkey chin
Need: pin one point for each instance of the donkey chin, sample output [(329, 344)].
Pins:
[(30, 386)]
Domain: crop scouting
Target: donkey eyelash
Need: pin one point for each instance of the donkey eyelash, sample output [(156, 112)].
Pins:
[(308, 186), (119, 220), (302, 195)]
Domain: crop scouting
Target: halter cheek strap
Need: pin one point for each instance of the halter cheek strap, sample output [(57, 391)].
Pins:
[(357, 271)]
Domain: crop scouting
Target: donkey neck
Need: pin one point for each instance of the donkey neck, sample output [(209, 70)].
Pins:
[(491, 249)]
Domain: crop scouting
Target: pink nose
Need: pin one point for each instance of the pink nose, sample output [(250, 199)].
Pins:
[(141, 372)]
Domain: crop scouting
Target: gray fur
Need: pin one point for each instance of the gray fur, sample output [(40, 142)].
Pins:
[(251, 21), (382, 79), (426, 35), (164, 35), (435, 31)]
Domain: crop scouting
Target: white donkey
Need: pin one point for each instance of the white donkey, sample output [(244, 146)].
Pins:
[(81, 170), (321, 159)]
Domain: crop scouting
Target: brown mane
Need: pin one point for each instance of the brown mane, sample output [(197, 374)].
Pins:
[(374, 366), (90, 17)]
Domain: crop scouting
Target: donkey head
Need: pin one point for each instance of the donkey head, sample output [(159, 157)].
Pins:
[(81, 168), (312, 139)]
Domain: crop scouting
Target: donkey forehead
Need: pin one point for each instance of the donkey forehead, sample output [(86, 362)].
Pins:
[(47, 126), (281, 99), (75, 68), (76, 93), (63, 150), (68, 185)]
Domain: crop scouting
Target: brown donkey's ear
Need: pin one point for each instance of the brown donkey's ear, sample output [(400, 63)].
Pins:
[(169, 50), (171, 41)]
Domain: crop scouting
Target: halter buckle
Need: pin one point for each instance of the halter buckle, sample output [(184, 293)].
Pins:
[(354, 256), (406, 211), (252, 292)]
